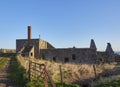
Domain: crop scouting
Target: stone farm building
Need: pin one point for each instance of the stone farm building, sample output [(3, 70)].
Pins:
[(38, 48)]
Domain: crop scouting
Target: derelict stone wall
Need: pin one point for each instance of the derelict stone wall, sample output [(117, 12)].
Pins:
[(73, 55), (105, 57), (23, 42), (37, 43), (45, 45)]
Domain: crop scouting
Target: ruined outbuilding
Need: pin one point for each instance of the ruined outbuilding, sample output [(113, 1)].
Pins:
[(38, 48)]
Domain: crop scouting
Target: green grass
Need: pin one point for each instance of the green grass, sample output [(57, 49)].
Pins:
[(39, 83), (66, 85), (3, 62), (114, 83), (20, 77), (7, 54), (17, 73)]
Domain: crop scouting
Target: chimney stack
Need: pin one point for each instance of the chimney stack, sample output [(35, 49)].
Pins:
[(29, 34)]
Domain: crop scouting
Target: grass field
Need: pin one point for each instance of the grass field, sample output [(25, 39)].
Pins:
[(3, 61), (17, 73)]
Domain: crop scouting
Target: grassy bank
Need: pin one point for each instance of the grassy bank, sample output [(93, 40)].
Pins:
[(17, 73), (114, 83), (19, 76), (39, 83), (3, 61)]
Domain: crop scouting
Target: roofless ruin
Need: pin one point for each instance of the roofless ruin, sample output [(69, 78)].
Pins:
[(38, 48)]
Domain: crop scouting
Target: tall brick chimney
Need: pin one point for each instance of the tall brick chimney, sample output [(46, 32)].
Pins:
[(29, 34)]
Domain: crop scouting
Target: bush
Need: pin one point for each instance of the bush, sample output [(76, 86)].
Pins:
[(35, 83)]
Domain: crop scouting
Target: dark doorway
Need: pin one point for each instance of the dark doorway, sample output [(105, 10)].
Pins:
[(73, 56), (66, 59), (43, 56), (54, 59), (31, 54)]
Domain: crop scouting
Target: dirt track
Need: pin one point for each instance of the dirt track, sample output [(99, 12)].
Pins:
[(4, 80)]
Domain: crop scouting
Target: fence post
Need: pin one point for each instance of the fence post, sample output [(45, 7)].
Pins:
[(29, 70), (61, 75), (35, 72), (94, 71), (51, 82)]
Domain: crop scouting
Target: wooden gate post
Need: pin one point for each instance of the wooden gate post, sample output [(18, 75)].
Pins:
[(94, 71), (29, 71), (61, 75)]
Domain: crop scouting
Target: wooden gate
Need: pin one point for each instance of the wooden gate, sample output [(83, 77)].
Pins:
[(37, 70)]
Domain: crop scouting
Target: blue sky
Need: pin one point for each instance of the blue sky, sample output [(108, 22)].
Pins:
[(63, 23)]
